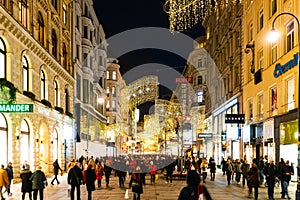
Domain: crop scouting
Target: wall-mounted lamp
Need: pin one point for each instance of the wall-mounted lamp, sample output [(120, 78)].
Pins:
[(51, 142), (18, 137), (37, 140), (41, 141), (250, 48)]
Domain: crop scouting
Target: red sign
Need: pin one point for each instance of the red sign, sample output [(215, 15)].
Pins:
[(184, 80)]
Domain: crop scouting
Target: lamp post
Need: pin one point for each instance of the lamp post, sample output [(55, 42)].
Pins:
[(273, 37)]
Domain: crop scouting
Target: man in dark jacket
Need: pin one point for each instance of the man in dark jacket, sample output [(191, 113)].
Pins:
[(10, 174), (26, 183), (38, 179), (253, 180), (286, 173), (74, 179), (271, 172)]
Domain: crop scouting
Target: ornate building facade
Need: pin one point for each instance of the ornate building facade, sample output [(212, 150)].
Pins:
[(35, 40)]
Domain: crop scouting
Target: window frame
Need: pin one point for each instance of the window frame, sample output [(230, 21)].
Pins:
[(25, 73)]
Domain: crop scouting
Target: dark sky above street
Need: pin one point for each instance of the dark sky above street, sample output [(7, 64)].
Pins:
[(117, 16)]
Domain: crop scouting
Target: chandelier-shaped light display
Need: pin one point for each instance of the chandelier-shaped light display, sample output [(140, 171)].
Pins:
[(184, 14)]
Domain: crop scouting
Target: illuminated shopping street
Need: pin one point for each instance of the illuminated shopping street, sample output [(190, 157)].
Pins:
[(97, 89)]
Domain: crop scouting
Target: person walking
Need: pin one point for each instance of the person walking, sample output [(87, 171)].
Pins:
[(170, 169), (99, 173), (253, 180), (213, 169), (74, 179), (271, 172), (152, 171), (193, 189), (3, 180), (229, 171), (107, 172), (245, 167), (56, 167), (89, 178), (286, 173), (39, 181), (204, 167), (280, 167), (238, 170), (136, 183), (223, 164), (26, 186), (10, 174)]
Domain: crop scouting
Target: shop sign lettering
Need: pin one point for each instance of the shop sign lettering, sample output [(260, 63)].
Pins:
[(281, 69), (16, 107)]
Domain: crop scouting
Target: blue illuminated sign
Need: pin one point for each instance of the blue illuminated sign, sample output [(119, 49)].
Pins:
[(281, 69)]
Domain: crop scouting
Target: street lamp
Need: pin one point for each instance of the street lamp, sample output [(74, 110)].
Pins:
[(272, 37)]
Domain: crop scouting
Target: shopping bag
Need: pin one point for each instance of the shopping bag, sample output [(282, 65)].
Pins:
[(156, 176), (126, 194)]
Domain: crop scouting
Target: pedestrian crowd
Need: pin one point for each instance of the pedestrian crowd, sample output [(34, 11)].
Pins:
[(260, 173), (90, 172)]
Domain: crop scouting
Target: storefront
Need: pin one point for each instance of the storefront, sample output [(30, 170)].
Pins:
[(36, 138), (286, 138)]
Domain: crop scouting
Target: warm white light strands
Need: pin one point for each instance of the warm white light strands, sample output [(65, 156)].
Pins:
[(184, 14)]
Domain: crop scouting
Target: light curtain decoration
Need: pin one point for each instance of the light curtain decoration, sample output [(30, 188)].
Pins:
[(184, 14)]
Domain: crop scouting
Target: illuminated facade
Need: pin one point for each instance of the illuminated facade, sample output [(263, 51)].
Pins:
[(270, 93), (224, 44), (35, 43), (89, 57)]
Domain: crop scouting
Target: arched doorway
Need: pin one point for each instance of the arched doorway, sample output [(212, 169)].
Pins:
[(3, 140), (25, 142)]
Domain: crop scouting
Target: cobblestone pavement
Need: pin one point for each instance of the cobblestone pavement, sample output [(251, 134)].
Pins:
[(160, 191)]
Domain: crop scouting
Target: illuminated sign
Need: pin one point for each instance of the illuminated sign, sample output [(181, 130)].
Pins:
[(184, 80), (281, 69), (16, 107)]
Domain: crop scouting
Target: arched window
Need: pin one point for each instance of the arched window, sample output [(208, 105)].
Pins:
[(25, 74), (114, 75), (3, 139), (23, 12), (43, 85), (65, 57), (41, 28), (56, 94), (67, 97), (24, 142), (54, 43), (2, 59)]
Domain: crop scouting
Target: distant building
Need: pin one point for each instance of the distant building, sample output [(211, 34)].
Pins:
[(89, 59)]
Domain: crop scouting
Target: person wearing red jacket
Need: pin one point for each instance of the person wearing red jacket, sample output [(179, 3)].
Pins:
[(152, 171)]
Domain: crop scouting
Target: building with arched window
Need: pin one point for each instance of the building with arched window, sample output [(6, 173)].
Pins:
[(37, 126)]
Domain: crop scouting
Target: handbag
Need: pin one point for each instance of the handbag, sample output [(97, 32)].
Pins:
[(126, 194)]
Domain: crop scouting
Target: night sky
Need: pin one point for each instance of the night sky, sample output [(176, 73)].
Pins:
[(117, 16)]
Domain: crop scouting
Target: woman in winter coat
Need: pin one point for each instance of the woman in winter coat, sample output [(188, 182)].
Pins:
[(204, 166), (38, 179), (26, 183), (253, 180), (89, 178), (56, 167), (136, 183), (99, 173)]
